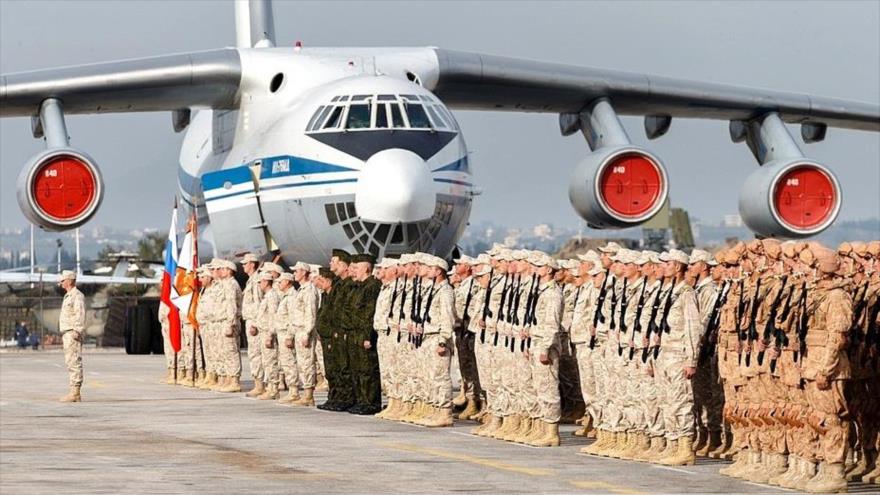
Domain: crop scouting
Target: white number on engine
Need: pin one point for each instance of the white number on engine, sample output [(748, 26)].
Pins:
[(792, 182), (618, 170), (51, 173)]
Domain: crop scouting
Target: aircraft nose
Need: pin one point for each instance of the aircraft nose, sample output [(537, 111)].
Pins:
[(395, 186)]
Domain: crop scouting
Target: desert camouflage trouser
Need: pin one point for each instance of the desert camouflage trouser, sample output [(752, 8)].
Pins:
[(826, 413), (190, 357), (73, 358), (545, 383), (650, 404), (385, 353), (613, 416), (211, 341), (708, 396), (467, 363), (305, 358), (287, 360), (254, 353), (484, 353), (677, 397), (230, 349), (435, 372), (570, 394), (269, 354)]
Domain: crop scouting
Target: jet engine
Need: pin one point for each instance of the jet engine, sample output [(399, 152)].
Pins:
[(618, 187), (790, 198), (60, 189)]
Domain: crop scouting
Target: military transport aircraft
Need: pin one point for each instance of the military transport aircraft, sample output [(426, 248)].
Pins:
[(301, 150)]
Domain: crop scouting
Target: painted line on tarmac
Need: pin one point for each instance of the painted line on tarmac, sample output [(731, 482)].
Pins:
[(604, 486), (669, 468), (480, 461), (497, 442)]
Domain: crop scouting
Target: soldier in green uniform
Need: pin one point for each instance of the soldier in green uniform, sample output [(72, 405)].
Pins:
[(340, 397), (363, 360)]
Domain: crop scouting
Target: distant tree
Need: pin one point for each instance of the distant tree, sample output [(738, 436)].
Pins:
[(151, 246), (105, 252)]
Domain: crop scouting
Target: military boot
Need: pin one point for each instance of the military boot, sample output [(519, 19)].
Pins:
[(205, 383), (514, 431), (873, 476), (551, 438), (684, 454), (169, 377), (220, 383), (258, 389), (758, 472), (702, 438), (385, 412), (441, 418), (623, 451), (775, 465), (595, 447), (713, 441), (724, 449), (783, 480), (655, 446), (615, 444), (807, 473), (536, 432), (642, 445), (406, 411), (291, 397), (73, 395), (509, 424), (470, 411), (307, 399), (322, 385), (188, 380), (271, 392), (412, 411), (831, 481), (427, 415), (233, 385), (738, 464), (860, 468), (526, 428), (488, 428)]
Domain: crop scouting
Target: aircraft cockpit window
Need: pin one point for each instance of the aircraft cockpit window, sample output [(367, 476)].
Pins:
[(418, 119), (334, 119), (387, 98), (336, 98), (396, 116), (359, 97), (438, 119), (358, 117), (410, 97), (317, 118), (381, 116)]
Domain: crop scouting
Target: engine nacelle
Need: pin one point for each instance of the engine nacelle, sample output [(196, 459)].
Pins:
[(790, 199), (60, 189), (618, 187)]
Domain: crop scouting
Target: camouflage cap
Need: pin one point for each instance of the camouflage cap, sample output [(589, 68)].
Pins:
[(271, 267), (286, 276), (67, 275), (249, 258), (827, 260), (610, 248), (267, 276), (481, 270), (204, 271), (874, 249), (675, 255), (860, 249), (299, 265), (772, 248)]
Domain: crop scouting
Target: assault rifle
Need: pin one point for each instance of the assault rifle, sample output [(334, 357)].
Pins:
[(400, 314), (855, 330), (802, 323), (486, 313), (637, 328), (752, 330), (622, 325), (652, 322), (391, 306), (508, 281), (529, 318), (872, 337), (598, 317), (770, 328), (426, 316), (707, 347)]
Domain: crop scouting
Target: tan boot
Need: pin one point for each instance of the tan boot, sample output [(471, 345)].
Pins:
[(509, 424), (258, 389), (775, 465), (383, 414), (655, 446), (415, 413), (201, 377), (233, 385), (860, 468), (550, 438), (187, 380), (832, 479), (169, 377), (209, 379), (794, 464), (487, 428), (634, 445), (620, 445), (669, 450), (641, 445), (537, 433), (425, 414), (752, 463), (219, 384), (808, 472), (322, 384), (470, 410), (271, 393), (514, 433), (684, 454), (441, 418), (73, 395), (873, 476), (291, 397), (307, 399), (408, 411), (522, 433)]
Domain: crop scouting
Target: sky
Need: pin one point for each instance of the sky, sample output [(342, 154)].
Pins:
[(520, 161)]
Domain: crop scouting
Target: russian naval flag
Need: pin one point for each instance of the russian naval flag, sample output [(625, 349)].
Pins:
[(169, 292)]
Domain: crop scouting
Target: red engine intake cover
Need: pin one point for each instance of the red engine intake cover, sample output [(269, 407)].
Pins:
[(804, 197), (64, 187), (631, 185)]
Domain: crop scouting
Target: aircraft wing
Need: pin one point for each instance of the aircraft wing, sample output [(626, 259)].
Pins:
[(474, 81), (52, 278), (169, 82)]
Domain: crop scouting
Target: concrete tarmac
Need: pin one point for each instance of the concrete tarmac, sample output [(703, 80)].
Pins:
[(132, 434)]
